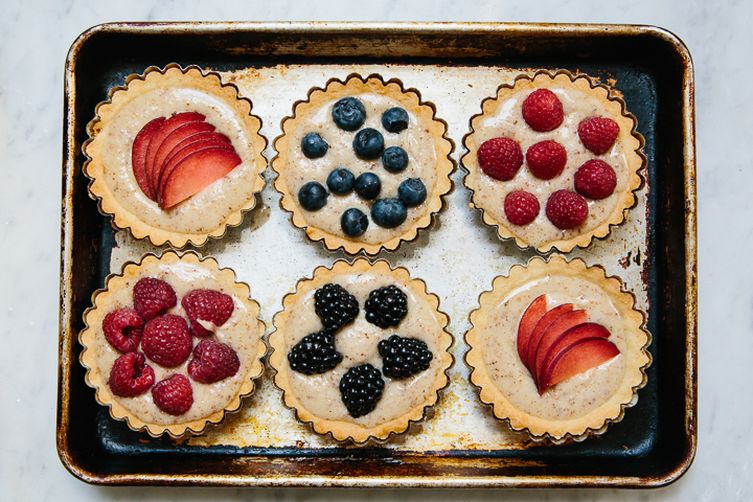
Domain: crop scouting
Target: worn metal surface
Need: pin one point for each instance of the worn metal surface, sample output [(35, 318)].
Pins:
[(461, 445)]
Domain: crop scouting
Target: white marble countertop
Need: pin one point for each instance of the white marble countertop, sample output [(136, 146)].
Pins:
[(35, 38)]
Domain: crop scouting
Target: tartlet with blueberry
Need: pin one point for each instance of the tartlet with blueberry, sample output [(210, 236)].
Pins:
[(172, 344), (553, 161), (558, 349), (360, 350), (363, 164), (175, 156)]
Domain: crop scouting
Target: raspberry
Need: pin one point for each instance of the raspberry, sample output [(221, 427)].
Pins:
[(386, 307), (566, 209), (546, 159), (542, 110), (361, 389), (173, 395), (500, 158), (315, 354), (335, 306), (404, 357), (209, 306), (123, 328), (130, 376), (166, 340), (521, 207), (595, 179), (151, 297), (213, 361), (598, 134)]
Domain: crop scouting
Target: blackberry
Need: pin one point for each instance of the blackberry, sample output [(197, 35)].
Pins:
[(335, 306), (315, 353), (361, 389), (386, 306), (404, 357)]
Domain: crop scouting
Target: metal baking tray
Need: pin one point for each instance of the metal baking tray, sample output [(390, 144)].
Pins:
[(455, 66)]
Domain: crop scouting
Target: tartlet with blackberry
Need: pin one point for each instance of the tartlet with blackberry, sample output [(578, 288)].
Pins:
[(363, 165), (172, 344), (553, 161), (360, 350), (175, 156)]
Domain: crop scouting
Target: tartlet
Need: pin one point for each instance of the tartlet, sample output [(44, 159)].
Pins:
[(558, 349), (175, 156), (363, 165), (178, 319), (360, 351), (553, 161)]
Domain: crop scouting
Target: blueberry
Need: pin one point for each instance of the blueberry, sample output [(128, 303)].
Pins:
[(349, 114), (368, 186), (340, 181), (394, 159), (388, 213), (412, 192), (312, 196), (395, 119), (314, 146), (368, 143), (354, 222)]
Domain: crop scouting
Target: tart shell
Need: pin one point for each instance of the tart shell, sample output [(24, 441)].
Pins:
[(613, 103), (410, 99), (594, 422), (343, 431), (152, 78), (97, 379)]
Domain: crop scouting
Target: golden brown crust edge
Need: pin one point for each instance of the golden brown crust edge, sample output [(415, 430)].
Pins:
[(410, 98), (595, 422), (628, 135), (94, 378), (347, 431), (93, 169)]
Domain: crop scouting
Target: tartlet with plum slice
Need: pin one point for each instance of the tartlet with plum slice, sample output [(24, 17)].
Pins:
[(175, 156), (558, 349)]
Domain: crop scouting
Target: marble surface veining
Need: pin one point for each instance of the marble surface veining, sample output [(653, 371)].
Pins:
[(36, 36)]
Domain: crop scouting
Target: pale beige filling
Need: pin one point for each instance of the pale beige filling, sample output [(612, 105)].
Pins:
[(202, 212), (357, 342), (415, 140), (507, 121), (239, 332), (573, 397)]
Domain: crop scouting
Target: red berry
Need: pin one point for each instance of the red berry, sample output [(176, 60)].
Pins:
[(598, 134), (123, 329), (566, 209), (209, 306), (595, 179), (213, 361), (166, 340), (130, 375), (173, 395), (500, 158), (542, 110), (521, 207), (151, 297), (546, 159)]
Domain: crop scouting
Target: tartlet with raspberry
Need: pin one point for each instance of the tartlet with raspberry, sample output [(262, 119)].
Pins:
[(553, 161), (363, 165), (558, 349), (175, 156), (360, 351), (172, 344)]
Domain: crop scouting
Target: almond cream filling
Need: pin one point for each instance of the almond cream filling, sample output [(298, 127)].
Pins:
[(357, 342), (415, 140), (204, 211), (507, 120), (239, 332), (573, 397)]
